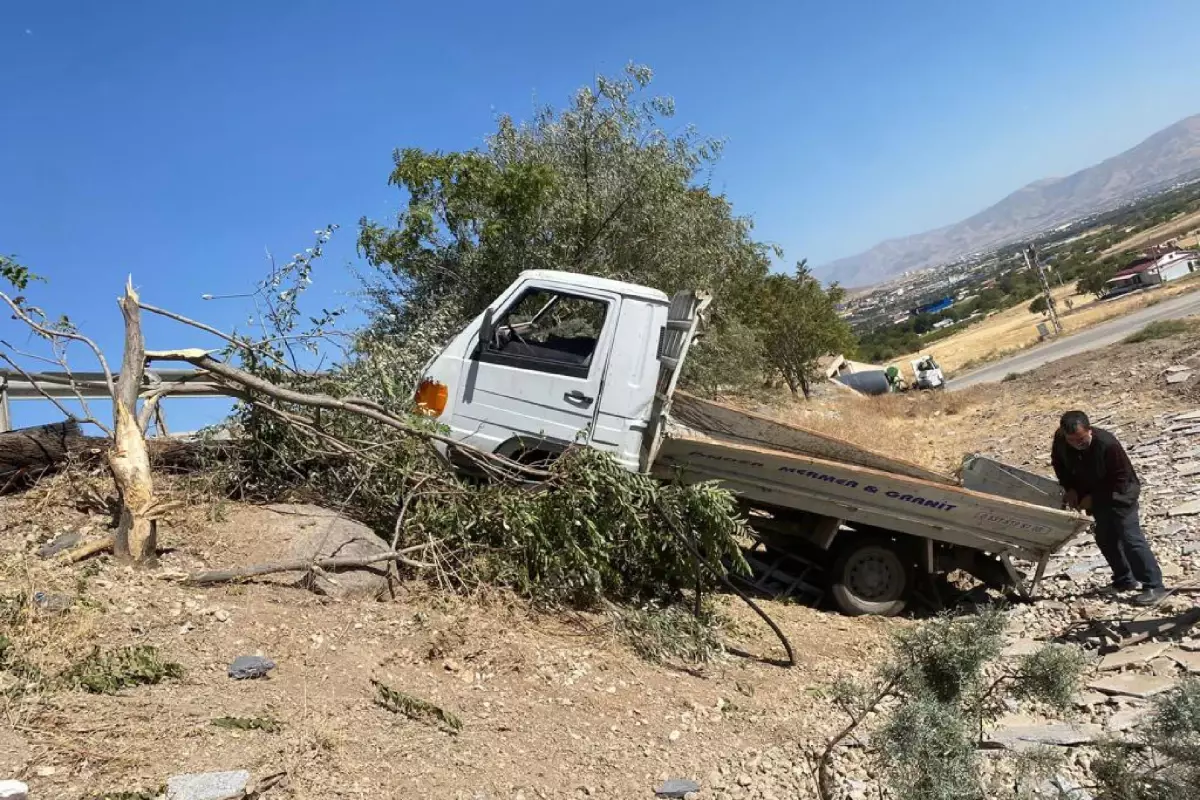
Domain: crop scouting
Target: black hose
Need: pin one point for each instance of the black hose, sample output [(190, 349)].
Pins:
[(724, 578)]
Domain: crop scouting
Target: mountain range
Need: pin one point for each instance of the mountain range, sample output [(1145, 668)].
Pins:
[(1162, 159)]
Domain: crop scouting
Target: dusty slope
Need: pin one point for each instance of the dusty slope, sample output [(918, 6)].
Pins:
[(553, 706)]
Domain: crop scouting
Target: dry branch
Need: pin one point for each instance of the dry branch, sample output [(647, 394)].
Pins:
[(226, 575), (87, 550), (493, 464)]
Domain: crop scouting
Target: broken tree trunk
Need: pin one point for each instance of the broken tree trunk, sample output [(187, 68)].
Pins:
[(129, 458)]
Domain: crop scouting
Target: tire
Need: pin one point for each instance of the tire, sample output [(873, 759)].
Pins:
[(872, 575)]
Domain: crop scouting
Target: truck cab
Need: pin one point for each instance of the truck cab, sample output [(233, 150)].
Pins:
[(558, 358)]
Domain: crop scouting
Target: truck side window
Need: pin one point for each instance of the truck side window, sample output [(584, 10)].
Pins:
[(547, 331)]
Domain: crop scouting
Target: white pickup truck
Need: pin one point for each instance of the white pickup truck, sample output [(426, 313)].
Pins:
[(562, 358)]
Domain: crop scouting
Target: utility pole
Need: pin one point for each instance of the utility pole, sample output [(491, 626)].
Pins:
[(1031, 261)]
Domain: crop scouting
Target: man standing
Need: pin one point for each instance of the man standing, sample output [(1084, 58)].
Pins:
[(1098, 478)]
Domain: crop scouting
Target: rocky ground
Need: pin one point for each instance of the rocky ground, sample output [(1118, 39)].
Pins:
[(559, 706)]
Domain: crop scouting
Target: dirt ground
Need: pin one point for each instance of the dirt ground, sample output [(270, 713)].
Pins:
[(1015, 329), (553, 705)]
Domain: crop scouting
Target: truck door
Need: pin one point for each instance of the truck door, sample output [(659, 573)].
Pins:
[(534, 384)]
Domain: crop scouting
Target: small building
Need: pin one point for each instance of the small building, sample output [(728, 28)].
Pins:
[(1175, 265), (1153, 269), (943, 323)]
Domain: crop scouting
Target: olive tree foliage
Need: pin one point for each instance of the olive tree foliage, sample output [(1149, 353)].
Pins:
[(928, 706), (608, 186), (1162, 760)]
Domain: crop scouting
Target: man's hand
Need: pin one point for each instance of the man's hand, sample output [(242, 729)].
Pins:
[(1071, 498), (1086, 504)]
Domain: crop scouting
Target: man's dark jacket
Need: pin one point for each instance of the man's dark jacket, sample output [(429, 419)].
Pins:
[(1103, 470)]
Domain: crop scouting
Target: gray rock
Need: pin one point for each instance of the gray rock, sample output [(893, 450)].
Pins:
[(1127, 718), (1133, 685), (208, 786), (677, 787), (249, 667), (1190, 661), (1137, 654), (58, 544), (319, 534), (1063, 788), (1025, 737), (1179, 377), (1192, 507)]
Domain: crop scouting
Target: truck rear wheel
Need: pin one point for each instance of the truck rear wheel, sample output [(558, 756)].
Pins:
[(872, 575)]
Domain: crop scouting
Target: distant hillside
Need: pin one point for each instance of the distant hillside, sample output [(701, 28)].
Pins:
[(1160, 160)]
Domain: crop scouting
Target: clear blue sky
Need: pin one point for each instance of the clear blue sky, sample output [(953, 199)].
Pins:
[(175, 141)]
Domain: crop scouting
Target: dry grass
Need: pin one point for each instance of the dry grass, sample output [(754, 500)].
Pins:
[(1159, 233), (1015, 329)]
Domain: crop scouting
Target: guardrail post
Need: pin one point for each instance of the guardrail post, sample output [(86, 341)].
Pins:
[(5, 414)]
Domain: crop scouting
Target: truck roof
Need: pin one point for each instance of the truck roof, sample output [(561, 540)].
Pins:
[(591, 281)]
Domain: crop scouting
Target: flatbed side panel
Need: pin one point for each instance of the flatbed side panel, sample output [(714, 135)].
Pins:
[(896, 502), (983, 474), (744, 427)]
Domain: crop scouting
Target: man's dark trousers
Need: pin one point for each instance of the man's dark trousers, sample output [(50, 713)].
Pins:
[(1119, 535)]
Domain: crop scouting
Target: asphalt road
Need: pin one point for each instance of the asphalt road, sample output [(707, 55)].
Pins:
[(1105, 333)]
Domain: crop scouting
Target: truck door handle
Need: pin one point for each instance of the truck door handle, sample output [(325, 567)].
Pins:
[(576, 396)]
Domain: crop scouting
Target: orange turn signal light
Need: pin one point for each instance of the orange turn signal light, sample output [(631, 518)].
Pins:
[(431, 398)]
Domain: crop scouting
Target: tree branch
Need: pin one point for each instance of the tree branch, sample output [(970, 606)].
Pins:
[(226, 575), (201, 359), (50, 333)]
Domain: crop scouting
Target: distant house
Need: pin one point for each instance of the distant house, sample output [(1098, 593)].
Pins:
[(1154, 269), (1175, 265)]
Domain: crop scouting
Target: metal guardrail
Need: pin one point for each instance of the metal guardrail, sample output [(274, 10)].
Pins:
[(91, 385)]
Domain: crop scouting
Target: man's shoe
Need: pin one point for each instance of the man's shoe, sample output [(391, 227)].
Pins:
[(1151, 597), (1114, 589)]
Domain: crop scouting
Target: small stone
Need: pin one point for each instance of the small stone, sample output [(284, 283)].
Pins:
[(222, 615), (1179, 377), (45, 772), (1137, 654), (744, 780), (674, 736), (249, 667), (677, 787), (1141, 686), (208, 786), (60, 543)]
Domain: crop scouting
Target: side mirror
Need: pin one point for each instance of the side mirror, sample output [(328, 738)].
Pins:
[(486, 328)]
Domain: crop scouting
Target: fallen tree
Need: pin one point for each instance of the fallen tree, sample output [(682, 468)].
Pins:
[(30, 453)]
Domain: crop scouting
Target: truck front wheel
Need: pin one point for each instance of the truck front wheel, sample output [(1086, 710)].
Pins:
[(872, 575)]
